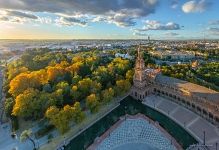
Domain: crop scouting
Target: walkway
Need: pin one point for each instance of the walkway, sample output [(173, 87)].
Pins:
[(135, 132), (192, 122)]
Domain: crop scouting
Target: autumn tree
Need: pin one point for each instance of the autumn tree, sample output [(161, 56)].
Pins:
[(92, 102), (22, 82), (122, 86), (87, 86), (102, 75), (107, 95), (77, 114), (55, 73), (129, 75), (75, 93), (27, 104), (59, 118)]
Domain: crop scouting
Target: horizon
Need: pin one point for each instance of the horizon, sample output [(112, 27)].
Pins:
[(117, 19)]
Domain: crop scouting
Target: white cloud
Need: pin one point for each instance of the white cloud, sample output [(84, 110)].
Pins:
[(156, 25), (45, 20), (171, 34), (70, 21), (196, 6), (213, 30)]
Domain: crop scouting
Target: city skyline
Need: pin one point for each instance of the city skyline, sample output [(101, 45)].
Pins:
[(116, 19)]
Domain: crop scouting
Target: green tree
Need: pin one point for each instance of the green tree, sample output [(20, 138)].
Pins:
[(26, 135), (92, 102), (78, 114), (107, 95)]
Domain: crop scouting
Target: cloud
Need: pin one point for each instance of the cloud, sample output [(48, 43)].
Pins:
[(170, 34), (120, 12), (3, 18), (140, 34), (45, 20), (215, 22), (19, 14), (213, 30), (83, 6), (196, 6), (174, 4), (70, 21), (156, 25)]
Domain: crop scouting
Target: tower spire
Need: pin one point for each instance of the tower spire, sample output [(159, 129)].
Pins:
[(139, 51)]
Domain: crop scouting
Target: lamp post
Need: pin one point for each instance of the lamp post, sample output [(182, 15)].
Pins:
[(204, 138)]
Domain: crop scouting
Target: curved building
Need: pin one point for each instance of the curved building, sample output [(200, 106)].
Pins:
[(194, 107)]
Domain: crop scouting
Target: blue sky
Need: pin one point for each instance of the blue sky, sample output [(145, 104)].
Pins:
[(114, 19)]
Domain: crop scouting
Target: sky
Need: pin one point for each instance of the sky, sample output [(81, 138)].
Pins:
[(109, 19)]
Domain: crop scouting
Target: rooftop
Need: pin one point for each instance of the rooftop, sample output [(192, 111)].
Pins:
[(194, 89)]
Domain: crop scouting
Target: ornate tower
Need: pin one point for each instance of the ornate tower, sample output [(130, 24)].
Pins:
[(140, 89), (139, 67)]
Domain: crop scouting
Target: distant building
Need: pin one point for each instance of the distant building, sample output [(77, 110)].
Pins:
[(173, 55), (124, 56)]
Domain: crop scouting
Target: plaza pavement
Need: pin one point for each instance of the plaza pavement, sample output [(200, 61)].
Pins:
[(8, 143), (192, 122)]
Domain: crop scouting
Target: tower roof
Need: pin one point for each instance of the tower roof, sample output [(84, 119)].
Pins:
[(139, 51)]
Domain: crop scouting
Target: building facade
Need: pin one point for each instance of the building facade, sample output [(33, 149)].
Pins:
[(198, 99)]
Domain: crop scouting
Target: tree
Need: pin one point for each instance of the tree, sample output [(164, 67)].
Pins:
[(78, 114), (65, 87), (74, 68), (87, 86), (75, 93), (9, 103), (92, 102), (59, 118), (102, 75), (107, 95), (56, 72), (129, 75), (14, 71), (56, 98), (47, 88), (22, 82), (122, 86), (27, 104), (76, 79), (26, 135)]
